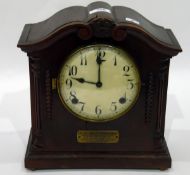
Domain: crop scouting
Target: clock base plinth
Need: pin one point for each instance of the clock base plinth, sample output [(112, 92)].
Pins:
[(35, 160)]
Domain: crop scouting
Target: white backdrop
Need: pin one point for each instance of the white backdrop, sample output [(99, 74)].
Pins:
[(14, 80)]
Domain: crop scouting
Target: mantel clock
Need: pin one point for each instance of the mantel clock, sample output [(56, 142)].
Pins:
[(98, 81)]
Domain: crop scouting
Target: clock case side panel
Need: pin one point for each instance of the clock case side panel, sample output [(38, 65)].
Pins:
[(36, 107), (162, 86)]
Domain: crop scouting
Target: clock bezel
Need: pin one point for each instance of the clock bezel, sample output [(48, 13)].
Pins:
[(120, 115)]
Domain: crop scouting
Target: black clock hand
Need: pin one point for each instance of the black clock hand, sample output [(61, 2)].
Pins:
[(82, 80), (99, 62)]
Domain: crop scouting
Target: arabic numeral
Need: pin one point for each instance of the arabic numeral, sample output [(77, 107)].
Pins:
[(72, 70), (130, 84), (113, 107), (82, 106), (115, 61), (98, 110), (68, 83), (73, 97), (83, 61), (101, 53), (126, 69)]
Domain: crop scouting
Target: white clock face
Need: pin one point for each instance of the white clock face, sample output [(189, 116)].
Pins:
[(99, 83)]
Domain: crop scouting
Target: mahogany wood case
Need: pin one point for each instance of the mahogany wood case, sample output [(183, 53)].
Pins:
[(53, 138)]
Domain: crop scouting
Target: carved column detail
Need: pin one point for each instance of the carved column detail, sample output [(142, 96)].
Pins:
[(34, 65), (149, 98), (48, 99), (163, 83), (162, 93)]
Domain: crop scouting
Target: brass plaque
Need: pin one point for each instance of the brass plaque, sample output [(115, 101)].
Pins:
[(97, 136)]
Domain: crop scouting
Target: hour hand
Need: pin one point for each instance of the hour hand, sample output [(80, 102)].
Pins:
[(82, 80)]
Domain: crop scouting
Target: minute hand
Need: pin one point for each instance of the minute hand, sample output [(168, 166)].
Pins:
[(99, 62)]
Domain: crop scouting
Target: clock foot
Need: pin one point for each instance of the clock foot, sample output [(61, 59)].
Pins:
[(163, 168)]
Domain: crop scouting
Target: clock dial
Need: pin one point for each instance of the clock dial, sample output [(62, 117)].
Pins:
[(99, 83)]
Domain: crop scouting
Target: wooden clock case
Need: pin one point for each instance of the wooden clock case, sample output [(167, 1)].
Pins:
[(52, 142)]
